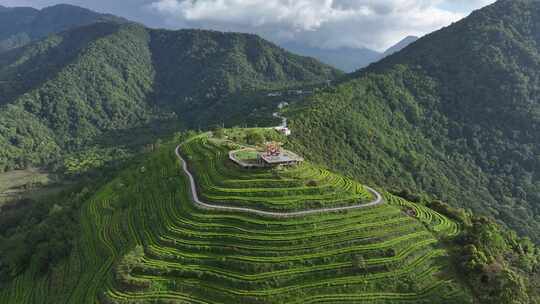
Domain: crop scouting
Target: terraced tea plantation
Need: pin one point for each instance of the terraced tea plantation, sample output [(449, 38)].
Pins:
[(145, 241), (295, 188)]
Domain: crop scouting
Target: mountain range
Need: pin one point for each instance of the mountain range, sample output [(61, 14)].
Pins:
[(444, 127), (444, 91), (347, 59), (21, 25)]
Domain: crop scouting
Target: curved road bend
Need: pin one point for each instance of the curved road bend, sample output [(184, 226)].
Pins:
[(378, 200)]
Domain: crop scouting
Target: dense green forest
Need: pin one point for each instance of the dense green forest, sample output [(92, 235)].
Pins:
[(454, 116), (81, 87), (498, 265)]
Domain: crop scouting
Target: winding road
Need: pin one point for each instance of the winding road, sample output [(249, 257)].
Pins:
[(378, 200)]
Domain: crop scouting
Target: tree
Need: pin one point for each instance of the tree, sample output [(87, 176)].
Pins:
[(254, 138), (359, 263), (390, 252), (219, 132)]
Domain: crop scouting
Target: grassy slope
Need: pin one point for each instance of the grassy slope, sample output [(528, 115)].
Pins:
[(373, 255), (456, 112)]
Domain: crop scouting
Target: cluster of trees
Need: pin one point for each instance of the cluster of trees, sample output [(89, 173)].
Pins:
[(255, 136), (506, 267), (93, 159), (37, 234), (125, 268), (498, 265)]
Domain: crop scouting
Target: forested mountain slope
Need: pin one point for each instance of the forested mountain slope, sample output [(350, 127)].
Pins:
[(63, 92), (21, 25), (196, 68), (455, 115)]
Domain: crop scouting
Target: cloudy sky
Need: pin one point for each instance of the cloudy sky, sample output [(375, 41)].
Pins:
[(375, 24)]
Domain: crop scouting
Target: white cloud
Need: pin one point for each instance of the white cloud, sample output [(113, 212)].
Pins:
[(376, 24), (328, 23)]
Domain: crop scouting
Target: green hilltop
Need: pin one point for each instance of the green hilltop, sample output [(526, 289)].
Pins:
[(143, 240), (291, 189)]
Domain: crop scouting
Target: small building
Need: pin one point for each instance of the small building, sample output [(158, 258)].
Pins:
[(283, 130)]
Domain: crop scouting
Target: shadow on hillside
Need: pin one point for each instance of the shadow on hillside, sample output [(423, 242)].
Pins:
[(136, 137)]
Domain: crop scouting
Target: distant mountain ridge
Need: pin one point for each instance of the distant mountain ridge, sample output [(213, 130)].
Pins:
[(21, 25), (405, 42), (345, 58)]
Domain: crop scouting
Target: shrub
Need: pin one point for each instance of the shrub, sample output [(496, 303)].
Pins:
[(312, 183), (254, 138), (408, 195), (359, 263)]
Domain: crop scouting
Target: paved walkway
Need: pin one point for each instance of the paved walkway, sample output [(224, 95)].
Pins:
[(377, 201)]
